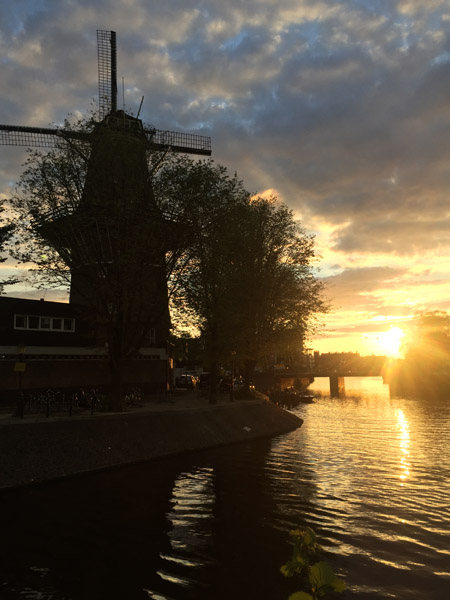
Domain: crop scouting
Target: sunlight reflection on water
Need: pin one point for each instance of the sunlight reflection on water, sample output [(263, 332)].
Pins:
[(404, 444), (381, 483)]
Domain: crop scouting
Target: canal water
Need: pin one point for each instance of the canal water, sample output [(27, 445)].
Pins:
[(369, 473)]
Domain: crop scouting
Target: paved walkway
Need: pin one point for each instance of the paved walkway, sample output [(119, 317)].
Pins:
[(177, 400)]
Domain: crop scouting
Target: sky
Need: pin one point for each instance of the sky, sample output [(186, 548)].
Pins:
[(341, 108)]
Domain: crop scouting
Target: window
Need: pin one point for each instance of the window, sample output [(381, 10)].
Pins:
[(20, 322), (69, 324), (33, 322), (56, 324), (44, 323), (152, 336)]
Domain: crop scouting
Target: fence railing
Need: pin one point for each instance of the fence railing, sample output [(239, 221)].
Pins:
[(63, 402), (54, 402)]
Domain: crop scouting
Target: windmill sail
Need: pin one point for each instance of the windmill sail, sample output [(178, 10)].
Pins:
[(36, 137), (46, 137), (177, 141), (107, 71)]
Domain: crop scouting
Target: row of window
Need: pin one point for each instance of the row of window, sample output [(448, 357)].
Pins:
[(44, 357), (39, 323)]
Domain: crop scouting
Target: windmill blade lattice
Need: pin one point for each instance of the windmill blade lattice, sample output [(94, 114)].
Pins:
[(42, 137), (35, 137), (107, 72), (179, 142)]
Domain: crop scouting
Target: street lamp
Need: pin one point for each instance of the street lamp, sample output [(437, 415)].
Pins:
[(19, 368)]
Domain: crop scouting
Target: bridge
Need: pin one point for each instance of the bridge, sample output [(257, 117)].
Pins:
[(337, 378)]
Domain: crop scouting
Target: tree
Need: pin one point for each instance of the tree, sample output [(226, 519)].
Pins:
[(427, 347), (6, 232), (208, 199), (276, 295), (248, 276)]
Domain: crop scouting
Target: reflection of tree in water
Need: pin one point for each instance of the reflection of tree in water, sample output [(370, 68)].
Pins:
[(250, 550), (222, 540), (186, 564), (91, 537)]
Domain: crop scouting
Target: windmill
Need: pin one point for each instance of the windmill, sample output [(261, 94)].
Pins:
[(116, 238)]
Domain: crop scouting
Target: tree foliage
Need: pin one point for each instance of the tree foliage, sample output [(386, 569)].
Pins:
[(208, 200), (247, 274), (427, 347), (6, 233), (275, 295), (52, 182)]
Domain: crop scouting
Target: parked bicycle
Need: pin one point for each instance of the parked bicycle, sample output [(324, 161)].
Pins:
[(40, 402), (134, 398)]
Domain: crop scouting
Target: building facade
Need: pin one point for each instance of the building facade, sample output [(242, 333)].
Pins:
[(52, 345)]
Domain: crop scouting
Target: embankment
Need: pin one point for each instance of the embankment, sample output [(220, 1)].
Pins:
[(33, 452)]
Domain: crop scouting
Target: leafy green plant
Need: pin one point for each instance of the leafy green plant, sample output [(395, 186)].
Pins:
[(316, 575)]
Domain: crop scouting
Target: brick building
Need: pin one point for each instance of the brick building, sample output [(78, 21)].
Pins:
[(55, 348)]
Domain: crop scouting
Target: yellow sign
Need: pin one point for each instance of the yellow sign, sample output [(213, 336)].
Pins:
[(19, 367)]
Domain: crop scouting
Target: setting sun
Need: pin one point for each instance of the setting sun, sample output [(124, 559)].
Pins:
[(390, 341)]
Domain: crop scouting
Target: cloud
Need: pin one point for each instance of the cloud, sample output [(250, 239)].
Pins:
[(397, 233), (352, 288)]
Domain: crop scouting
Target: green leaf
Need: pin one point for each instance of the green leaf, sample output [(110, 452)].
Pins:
[(309, 537), (292, 567), (321, 575), (300, 558), (296, 533), (300, 596), (338, 585), (286, 570)]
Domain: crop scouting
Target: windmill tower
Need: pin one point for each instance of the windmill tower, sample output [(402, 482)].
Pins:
[(115, 240)]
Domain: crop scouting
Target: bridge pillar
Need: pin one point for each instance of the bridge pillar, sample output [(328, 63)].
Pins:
[(337, 386)]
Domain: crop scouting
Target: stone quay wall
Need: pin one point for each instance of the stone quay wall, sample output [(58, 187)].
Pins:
[(42, 450)]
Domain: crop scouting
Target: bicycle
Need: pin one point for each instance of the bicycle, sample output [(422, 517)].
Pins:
[(134, 398)]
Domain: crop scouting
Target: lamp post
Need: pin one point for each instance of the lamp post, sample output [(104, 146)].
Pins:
[(233, 376), (19, 368)]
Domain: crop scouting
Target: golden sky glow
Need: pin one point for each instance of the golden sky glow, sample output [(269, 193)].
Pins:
[(372, 295)]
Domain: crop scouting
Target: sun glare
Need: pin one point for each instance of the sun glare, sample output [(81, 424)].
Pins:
[(391, 340)]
